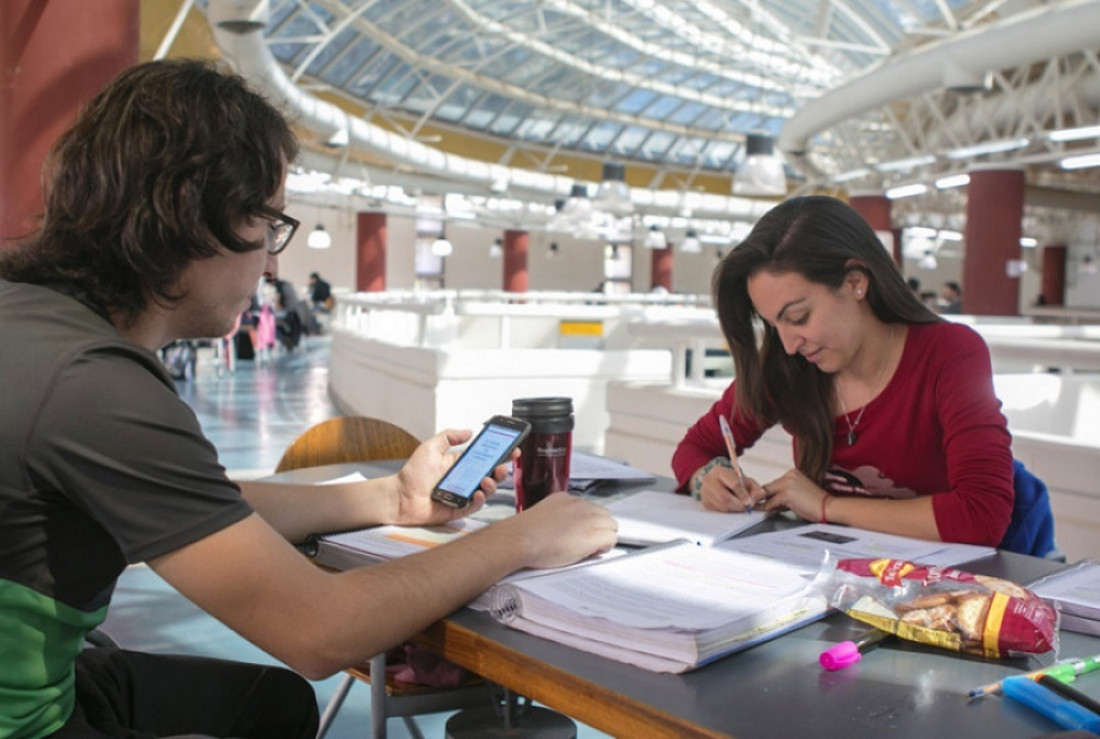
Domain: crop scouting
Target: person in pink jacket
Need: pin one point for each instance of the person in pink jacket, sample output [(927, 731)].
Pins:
[(895, 423)]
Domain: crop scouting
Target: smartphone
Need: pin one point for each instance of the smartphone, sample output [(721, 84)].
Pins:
[(489, 448)]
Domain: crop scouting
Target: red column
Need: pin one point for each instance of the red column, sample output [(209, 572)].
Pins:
[(55, 55), (661, 267), (370, 252), (515, 261), (994, 207), (1054, 275), (875, 209)]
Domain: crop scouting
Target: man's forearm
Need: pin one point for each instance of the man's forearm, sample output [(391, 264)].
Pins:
[(296, 510)]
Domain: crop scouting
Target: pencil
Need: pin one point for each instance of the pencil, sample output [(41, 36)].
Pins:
[(727, 435), (996, 687)]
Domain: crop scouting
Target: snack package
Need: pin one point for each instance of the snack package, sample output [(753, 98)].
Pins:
[(944, 607)]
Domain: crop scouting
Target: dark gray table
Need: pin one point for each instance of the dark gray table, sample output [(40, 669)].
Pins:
[(775, 689)]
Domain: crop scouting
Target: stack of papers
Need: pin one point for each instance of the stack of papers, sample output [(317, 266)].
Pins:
[(1076, 590), (668, 608)]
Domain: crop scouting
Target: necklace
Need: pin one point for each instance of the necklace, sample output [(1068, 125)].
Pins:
[(852, 435)]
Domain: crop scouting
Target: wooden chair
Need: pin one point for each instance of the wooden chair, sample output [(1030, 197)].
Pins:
[(347, 439), (362, 439)]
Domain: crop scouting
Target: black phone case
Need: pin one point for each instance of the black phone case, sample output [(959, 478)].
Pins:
[(456, 500)]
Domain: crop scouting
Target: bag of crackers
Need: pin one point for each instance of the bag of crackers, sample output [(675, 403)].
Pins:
[(945, 607)]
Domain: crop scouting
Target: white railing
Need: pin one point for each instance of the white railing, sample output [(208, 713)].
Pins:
[(434, 318)]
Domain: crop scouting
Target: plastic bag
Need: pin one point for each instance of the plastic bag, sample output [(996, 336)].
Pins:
[(944, 607)]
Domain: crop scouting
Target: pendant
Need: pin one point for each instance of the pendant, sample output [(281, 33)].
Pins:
[(852, 436)]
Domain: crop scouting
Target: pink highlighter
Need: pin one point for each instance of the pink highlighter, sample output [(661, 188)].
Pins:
[(849, 652)]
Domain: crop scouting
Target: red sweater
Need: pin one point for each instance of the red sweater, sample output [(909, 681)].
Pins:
[(936, 429)]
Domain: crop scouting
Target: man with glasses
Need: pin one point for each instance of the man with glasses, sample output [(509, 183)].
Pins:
[(164, 206)]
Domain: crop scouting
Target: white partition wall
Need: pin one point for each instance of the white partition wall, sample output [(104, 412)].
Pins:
[(428, 362)]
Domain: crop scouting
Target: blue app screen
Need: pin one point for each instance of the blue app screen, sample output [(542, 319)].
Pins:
[(478, 461)]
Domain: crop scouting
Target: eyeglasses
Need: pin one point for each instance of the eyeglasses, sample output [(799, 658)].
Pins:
[(281, 231)]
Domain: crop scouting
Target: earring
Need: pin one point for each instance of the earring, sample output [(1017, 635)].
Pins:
[(859, 291)]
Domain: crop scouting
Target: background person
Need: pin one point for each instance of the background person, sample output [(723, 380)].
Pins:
[(896, 426), (320, 293), (164, 205), (950, 298)]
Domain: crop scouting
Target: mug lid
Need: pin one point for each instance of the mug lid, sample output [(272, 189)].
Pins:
[(537, 407)]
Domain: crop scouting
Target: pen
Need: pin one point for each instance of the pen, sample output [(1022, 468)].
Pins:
[(849, 652), (1065, 671), (727, 435), (1061, 711), (1071, 693)]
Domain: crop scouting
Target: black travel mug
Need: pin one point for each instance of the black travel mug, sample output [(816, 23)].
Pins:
[(543, 464)]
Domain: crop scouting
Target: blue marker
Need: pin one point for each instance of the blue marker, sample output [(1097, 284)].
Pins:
[(1061, 711)]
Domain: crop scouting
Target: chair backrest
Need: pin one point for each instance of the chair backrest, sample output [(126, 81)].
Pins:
[(1032, 528), (347, 439)]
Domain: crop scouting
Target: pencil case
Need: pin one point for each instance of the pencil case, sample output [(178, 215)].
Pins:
[(944, 607)]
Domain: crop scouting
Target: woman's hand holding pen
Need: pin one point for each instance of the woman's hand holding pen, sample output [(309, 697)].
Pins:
[(721, 490), (796, 492)]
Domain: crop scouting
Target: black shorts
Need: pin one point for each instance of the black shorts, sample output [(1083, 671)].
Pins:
[(135, 695)]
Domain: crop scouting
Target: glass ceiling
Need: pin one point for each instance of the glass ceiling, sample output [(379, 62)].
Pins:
[(667, 82)]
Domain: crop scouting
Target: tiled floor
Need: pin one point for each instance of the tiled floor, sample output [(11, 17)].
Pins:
[(250, 415)]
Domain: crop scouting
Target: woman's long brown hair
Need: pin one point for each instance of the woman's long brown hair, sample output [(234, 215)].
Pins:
[(819, 238)]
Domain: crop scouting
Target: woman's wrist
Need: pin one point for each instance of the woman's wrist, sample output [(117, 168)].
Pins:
[(696, 482), (824, 502)]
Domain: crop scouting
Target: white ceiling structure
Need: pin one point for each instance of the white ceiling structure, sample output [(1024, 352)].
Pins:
[(861, 95)]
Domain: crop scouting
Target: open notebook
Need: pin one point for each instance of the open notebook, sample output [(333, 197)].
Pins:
[(653, 517)]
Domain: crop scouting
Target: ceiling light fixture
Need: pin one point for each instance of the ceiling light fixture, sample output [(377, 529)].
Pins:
[(442, 247), (854, 174), (613, 195), (906, 191), (988, 147), (691, 244), (762, 171), (955, 180), (1080, 162), (319, 238), (899, 165), (1074, 134), (655, 239)]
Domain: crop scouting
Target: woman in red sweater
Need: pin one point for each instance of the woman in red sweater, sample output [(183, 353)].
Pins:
[(896, 426)]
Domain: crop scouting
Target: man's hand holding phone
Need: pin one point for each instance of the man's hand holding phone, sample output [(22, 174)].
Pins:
[(429, 463), (493, 446)]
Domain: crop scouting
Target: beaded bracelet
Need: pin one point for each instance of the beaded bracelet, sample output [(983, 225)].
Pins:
[(697, 481)]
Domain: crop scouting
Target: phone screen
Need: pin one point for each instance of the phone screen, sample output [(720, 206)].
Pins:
[(479, 459)]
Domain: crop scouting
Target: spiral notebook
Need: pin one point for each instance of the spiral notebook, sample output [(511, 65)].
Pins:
[(668, 608)]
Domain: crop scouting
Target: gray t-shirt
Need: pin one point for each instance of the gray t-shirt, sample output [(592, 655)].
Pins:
[(101, 464)]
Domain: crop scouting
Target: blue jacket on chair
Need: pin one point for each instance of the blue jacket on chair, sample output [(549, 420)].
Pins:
[(1032, 528)]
